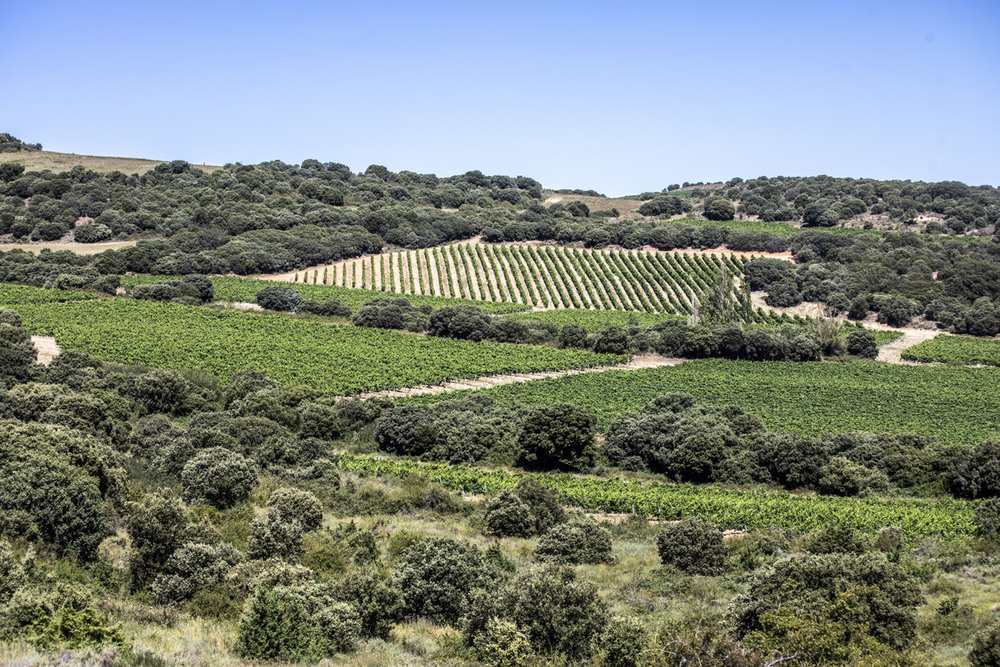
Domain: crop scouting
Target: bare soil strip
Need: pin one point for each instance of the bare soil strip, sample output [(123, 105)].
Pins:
[(644, 361), (47, 349)]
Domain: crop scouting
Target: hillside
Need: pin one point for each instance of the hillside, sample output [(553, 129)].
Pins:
[(292, 414)]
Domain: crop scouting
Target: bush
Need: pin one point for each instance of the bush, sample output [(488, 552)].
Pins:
[(692, 546), (192, 568), (293, 623), (557, 613), (987, 519), (842, 477), (161, 391), (502, 644), (575, 543), (624, 641), (331, 308), (507, 516), (377, 601), (276, 297), (273, 537), (881, 596), (718, 208), (296, 505), (862, 344), (156, 528), (542, 501), (219, 477), (436, 577), (986, 648), (560, 435)]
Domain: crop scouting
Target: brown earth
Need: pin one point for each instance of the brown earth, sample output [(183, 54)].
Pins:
[(47, 349)]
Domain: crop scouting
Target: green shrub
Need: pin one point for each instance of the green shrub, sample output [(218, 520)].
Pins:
[(987, 519), (502, 644), (575, 543), (836, 538), (557, 613), (986, 648), (862, 343), (543, 501), (436, 577), (193, 568), (507, 516), (273, 537), (296, 505), (881, 597), (692, 546), (842, 477), (219, 477), (276, 297), (296, 623), (156, 527), (11, 574), (560, 435), (623, 642), (377, 600)]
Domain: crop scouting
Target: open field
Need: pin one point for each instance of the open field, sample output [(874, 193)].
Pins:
[(41, 160), (954, 405), (333, 359)]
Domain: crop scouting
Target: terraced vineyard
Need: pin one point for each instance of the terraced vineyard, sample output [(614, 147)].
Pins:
[(333, 359), (953, 404), (538, 276), (956, 349), (14, 294), (729, 509)]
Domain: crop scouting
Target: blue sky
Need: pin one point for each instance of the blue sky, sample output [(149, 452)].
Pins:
[(619, 97)]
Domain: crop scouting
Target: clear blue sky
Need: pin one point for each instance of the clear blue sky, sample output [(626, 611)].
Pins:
[(620, 97)]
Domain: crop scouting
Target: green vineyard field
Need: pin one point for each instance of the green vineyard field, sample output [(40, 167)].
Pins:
[(956, 349), (729, 509), (334, 359), (537, 276), (953, 404)]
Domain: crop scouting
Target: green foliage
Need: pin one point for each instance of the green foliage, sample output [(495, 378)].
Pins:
[(987, 519), (560, 435), (955, 349), (502, 644), (59, 479), (557, 613), (157, 526), (862, 344), (217, 476), (194, 568), (296, 623), (296, 505), (692, 546), (861, 595), (279, 298), (436, 577), (377, 600), (986, 647), (507, 516), (624, 642), (272, 536), (542, 501), (575, 543), (62, 617)]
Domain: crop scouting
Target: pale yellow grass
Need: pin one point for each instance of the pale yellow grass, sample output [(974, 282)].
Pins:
[(41, 160), (78, 248)]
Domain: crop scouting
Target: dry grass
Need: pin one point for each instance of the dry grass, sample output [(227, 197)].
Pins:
[(593, 203), (41, 160), (78, 248)]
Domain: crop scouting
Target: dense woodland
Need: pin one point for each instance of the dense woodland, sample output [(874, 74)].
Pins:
[(181, 513)]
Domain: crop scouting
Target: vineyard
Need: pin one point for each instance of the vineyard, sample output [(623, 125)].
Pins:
[(538, 276), (956, 349), (953, 404), (24, 294), (245, 290), (729, 509), (334, 359)]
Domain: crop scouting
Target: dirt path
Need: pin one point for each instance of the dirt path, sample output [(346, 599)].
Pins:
[(892, 352), (644, 361), (47, 349)]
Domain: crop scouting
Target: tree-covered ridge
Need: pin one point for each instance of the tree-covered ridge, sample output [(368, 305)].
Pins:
[(825, 201), (11, 144)]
